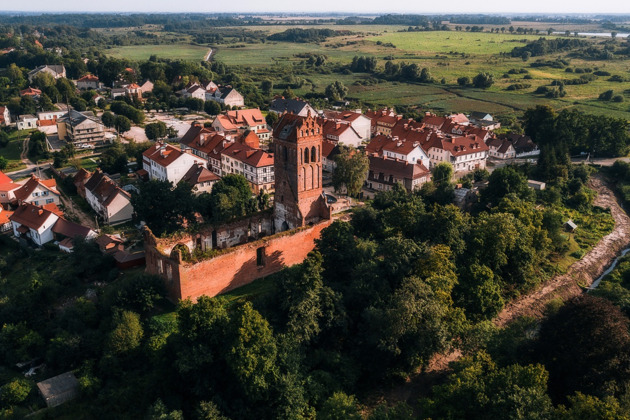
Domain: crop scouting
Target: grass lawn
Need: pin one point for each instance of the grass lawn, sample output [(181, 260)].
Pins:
[(173, 51), (13, 150)]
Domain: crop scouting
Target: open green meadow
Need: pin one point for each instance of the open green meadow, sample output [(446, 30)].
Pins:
[(448, 55), (13, 150), (172, 51)]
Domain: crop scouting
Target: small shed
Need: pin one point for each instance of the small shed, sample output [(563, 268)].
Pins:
[(59, 389), (537, 185), (570, 226)]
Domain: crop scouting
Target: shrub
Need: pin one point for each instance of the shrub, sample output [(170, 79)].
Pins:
[(617, 98), (606, 96)]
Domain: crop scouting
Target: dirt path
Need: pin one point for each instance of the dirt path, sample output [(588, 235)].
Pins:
[(24, 153), (565, 286), (582, 272)]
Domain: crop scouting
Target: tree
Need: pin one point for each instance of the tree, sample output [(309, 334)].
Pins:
[(251, 356), (212, 107), (122, 124), (504, 181), (108, 119), (463, 81), (478, 389), (155, 131), (127, 333), (483, 80), (351, 171), (231, 197), (271, 118), (336, 91), (267, 87), (340, 406), (163, 207), (589, 356), (15, 392), (3, 163)]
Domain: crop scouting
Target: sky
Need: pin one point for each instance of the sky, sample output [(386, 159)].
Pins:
[(323, 6)]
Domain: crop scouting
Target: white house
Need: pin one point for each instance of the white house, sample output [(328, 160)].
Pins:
[(56, 71), (107, 199), (501, 148), (341, 132), (38, 192), (361, 123), (465, 153), (33, 222), (26, 122), (196, 92), (89, 81), (409, 151), (226, 95), (168, 163), (292, 106)]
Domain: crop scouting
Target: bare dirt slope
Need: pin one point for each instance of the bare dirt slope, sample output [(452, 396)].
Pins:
[(581, 273)]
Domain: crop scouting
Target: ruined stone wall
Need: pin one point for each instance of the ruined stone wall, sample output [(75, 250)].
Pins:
[(234, 267)]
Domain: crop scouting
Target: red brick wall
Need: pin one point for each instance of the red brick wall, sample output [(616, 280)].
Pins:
[(237, 267)]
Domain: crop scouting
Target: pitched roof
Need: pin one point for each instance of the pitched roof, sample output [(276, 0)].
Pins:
[(343, 115), (70, 229), (253, 157), (31, 216), (329, 149), (382, 167), (7, 184), (162, 154), (4, 216), (197, 174), (52, 207), (232, 120), (88, 78), (337, 129), (204, 139), (26, 190), (457, 146), (291, 106), (104, 189), (29, 91), (81, 176)]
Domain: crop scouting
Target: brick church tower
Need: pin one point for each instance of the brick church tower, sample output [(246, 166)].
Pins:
[(298, 172)]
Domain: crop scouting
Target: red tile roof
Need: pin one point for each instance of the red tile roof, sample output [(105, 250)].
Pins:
[(205, 140), (30, 92), (52, 207), (253, 157), (88, 78), (31, 216), (70, 229), (197, 174), (382, 167), (232, 120), (27, 189), (162, 154)]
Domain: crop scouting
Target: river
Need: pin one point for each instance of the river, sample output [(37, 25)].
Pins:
[(601, 34), (608, 270)]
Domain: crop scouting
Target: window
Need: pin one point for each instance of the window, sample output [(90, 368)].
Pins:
[(260, 256), (50, 200)]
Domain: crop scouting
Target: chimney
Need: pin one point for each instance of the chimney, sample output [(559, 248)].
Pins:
[(40, 212)]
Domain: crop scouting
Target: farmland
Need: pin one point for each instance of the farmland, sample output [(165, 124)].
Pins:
[(448, 55)]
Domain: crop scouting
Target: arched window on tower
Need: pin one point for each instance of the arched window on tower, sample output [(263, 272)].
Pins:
[(304, 177), (285, 154), (313, 154), (301, 156), (306, 155)]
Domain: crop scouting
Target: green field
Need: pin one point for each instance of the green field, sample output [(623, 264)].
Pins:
[(448, 55), (13, 150), (173, 51)]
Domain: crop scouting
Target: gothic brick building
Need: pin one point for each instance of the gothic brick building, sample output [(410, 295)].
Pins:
[(258, 245)]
